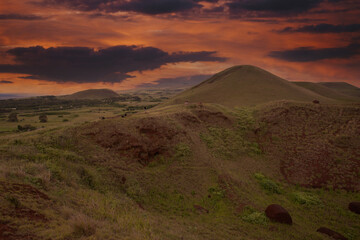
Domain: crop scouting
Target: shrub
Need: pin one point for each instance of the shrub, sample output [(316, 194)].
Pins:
[(267, 184), (65, 120), (305, 198), (13, 201), (26, 127), (86, 178), (252, 216), (13, 117), (43, 118)]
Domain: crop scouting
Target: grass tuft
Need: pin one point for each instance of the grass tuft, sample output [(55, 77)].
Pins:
[(267, 184), (252, 216), (83, 225), (305, 198)]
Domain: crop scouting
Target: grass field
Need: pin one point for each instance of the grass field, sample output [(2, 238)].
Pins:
[(205, 176)]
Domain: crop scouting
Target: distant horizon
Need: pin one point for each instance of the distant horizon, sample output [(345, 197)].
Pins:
[(5, 96)]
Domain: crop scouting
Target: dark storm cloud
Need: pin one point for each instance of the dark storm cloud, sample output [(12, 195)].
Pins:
[(323, 28), (15, 16), (309, 54), (176, 82), (5, 82), (152, 7), (85, 65), (272, 7), (158, 6)]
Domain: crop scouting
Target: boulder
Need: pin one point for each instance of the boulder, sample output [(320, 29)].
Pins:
[(331, 233), (316, 102), (277, 213), (354, 207)]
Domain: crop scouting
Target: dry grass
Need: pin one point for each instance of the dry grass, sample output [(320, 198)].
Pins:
[(83, 225)]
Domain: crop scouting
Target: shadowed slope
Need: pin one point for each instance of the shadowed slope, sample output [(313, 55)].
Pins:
[(325, 91), (245, 85), (343, 87)]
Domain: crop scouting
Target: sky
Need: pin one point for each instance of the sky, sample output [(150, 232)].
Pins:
[(55, 47)]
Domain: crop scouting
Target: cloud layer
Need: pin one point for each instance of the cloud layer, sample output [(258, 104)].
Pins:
[(15, 16), (323, 28), (309, 54), (177, 82), (86, 65)]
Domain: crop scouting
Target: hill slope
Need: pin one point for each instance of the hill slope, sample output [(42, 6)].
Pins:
[(343, 87), (245, 85), (325, 91), (185, 172), (91, 94)]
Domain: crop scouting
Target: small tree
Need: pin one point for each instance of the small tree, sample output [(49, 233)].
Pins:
[(43, 118), (13, 117)]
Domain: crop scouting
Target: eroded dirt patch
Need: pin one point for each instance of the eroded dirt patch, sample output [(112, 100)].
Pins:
[(19, 203), (211, 117), (318, 146), (139, 140)]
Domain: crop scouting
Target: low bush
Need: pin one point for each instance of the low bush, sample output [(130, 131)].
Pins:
[(267, 184), (26, 127), (305, 198), (252, 216)]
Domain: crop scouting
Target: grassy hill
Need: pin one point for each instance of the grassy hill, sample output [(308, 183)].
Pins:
[(343, 87), (246, 85), (325, 91), (91, 94), (185, 172), (194, 172)]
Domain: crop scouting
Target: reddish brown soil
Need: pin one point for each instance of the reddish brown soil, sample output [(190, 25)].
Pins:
[(9, 233), (24, 189), (143, 139), (229, 186), (19, 212), (213, 118), (201, 209), (318, 146), (139, 140)]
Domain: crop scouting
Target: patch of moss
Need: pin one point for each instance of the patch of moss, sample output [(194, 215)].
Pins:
[(252, 216), (305, 198), (267, 184)]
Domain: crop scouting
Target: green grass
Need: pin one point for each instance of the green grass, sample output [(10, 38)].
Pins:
[(267, 184), (305, 198), (219, 168), (252, 216)]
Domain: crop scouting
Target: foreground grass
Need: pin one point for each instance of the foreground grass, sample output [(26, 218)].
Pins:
[(215, 184)]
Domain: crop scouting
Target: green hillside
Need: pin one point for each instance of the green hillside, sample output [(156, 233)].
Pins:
[(246, 85), (185, 172), (343, 87), (325, 91), (91, 94)]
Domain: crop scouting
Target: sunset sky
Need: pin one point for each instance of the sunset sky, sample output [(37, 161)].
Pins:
[(53, 47)]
